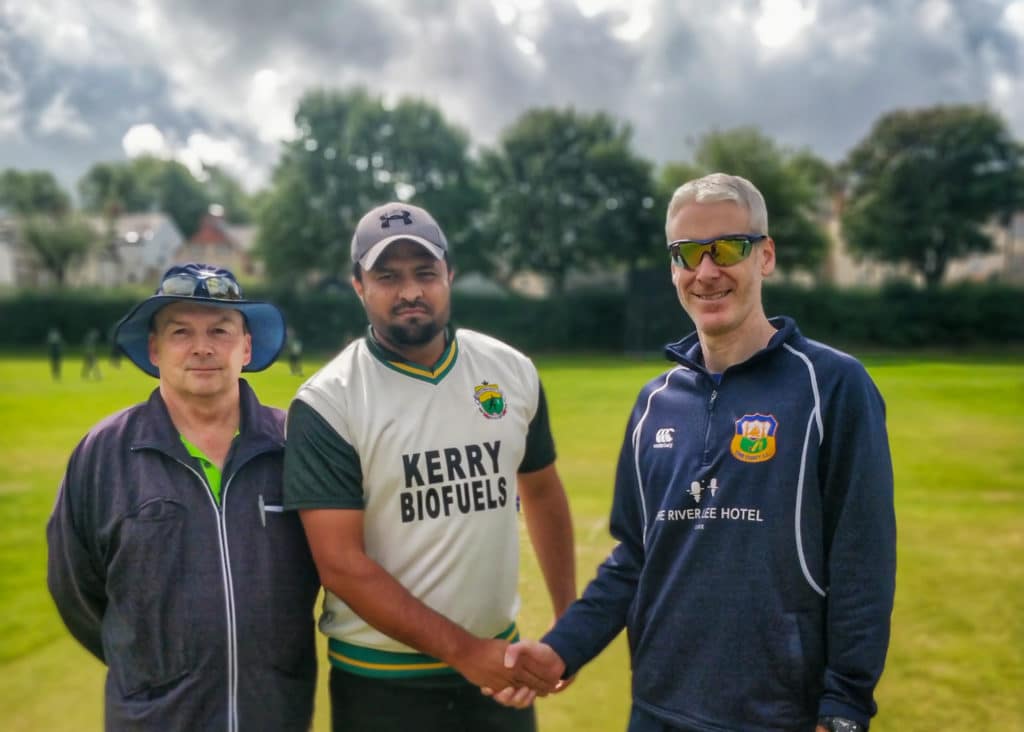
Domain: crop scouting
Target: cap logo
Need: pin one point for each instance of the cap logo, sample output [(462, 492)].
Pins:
[(403, 215)]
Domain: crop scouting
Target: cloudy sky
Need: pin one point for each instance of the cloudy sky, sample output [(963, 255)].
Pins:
[(218, 80)]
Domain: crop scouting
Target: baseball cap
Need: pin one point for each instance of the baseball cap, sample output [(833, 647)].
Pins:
[(209, 285), (391, 222)]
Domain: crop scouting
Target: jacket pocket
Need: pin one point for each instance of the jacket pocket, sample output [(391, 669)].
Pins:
[(797, 652), (790, 653), (284, 614), (147, 623)]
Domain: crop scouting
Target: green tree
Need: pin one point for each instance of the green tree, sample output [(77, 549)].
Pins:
[(352, 153), (111, 189), (58, 242), (826, 179), (671, 176), (25, 193), (145, 183), (795, 186), (224, 190), (567, 193), (178, 194), (924, 183), (426, 160)]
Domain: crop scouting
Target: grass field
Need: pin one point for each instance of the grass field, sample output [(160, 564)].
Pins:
[(957, 655)]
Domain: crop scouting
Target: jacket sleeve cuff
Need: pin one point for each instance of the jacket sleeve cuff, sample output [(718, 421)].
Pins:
[(571, 657), (833, 708)]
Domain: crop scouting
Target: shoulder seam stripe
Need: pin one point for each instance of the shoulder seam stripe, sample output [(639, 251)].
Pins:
[(636, 450), (814, 388), (814, 418)]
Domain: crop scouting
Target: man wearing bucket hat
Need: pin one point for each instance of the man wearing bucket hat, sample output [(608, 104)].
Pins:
[(170, 558), (405, 457)]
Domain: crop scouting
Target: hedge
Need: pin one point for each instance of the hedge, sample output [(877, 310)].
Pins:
[(897, 316)]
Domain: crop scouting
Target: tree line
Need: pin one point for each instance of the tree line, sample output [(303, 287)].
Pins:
[(560, 191)]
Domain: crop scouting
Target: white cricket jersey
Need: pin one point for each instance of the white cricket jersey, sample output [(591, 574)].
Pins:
[(439, 450)]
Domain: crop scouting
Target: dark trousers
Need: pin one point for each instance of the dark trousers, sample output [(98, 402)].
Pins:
[(446, 704)]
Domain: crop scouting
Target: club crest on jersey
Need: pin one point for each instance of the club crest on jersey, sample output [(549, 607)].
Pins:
[(754, 441), (490, 399)]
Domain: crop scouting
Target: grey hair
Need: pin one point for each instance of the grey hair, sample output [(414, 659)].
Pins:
[(722, 187)]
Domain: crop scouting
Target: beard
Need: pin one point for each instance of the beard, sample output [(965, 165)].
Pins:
[(416, 331), (413, 335)]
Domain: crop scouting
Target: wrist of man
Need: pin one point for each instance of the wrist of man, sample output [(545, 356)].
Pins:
[(570, 660), (461, 647), (839, 724)]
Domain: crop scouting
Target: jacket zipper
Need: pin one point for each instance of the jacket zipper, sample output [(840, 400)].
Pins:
[(229, 594), (232, 620), (707, 429)]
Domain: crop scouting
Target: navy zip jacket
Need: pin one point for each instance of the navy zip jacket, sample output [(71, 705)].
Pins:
[(202, 613), (755, 569)]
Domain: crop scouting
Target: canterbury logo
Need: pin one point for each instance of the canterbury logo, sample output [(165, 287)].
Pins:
[(404, 216), (664, 437)]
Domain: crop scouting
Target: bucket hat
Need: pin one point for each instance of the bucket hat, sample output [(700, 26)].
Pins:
[(205, 284)]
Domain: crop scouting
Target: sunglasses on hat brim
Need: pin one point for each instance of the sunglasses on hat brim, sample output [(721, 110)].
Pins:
[(214, 286)]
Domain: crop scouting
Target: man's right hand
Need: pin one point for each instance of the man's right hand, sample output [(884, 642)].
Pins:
[(492, 664), (539, 665)]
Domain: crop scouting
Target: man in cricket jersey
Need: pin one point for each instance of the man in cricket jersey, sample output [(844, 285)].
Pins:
[(406, 455), (170, 558)]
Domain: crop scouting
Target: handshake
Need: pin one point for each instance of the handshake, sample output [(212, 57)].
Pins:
[(528, 669)]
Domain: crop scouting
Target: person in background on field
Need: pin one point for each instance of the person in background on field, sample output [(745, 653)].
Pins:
[(294, 353), (170, 558), (90, 363), (55, 351), (115, 350), (405, 457), (753, 507)]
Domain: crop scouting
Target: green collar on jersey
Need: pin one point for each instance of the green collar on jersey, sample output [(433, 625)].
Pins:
[(432, 375)]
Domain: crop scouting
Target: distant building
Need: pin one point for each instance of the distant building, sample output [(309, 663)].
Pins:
[(1005, 263), (18, 266), (844, 270), (226, 245), (474, 283), (8, 252), (136, 248)]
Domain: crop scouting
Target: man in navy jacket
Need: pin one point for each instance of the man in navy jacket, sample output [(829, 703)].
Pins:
[(170, 559), (753, 507)]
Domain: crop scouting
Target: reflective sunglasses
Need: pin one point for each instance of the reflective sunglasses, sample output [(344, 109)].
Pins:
[(724, 250), (215, 286)]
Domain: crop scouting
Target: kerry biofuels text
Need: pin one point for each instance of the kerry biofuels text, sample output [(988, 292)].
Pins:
[(451, 481)]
